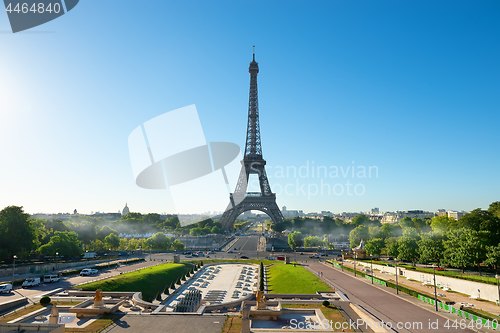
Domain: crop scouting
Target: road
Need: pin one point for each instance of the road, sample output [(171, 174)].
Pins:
[(68, 282), (384, 305)]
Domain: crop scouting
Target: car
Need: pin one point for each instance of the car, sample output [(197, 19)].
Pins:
[(31, 282), (314, 256), (5, 288), (94, 271), (201, 254), (323, 254), (236, 248), (440, 269), (270, 258), (211, 252), (282, 258), (229, 251), (51, 278), (188, 256), (244, 257), (88, 271), (194, 255)]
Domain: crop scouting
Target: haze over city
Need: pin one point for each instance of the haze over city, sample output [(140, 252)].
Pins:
[(394, 103)]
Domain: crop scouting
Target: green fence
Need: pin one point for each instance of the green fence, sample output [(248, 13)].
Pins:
[(376, 280), (476, 321)]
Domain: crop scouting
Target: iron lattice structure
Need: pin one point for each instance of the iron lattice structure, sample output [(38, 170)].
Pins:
[(252, 163)]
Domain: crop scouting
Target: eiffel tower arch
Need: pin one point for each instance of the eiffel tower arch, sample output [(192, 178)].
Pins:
[(253, 163)]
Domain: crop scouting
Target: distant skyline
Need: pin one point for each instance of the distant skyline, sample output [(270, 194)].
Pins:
[(408, 89)]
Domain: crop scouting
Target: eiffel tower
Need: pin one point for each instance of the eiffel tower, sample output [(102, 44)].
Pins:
[(252, 163)]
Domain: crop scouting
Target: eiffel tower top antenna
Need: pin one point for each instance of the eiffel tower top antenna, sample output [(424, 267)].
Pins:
[(254, 53)]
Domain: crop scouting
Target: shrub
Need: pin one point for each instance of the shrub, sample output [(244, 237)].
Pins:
[(183, 278), (158, 296), (326, 303), (165, 291), (45, 300), (172, 286), (187, 274), (178, 281)]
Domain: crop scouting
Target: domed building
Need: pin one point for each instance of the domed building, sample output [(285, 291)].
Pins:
[(125, 210)]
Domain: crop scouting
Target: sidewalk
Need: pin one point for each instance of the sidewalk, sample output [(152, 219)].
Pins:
[(429, 290)]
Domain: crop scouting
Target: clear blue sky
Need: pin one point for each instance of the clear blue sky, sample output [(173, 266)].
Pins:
[(410, 87)]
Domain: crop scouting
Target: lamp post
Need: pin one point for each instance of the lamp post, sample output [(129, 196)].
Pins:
[(396, 263), (86, 257), (57, 255), (435, 292), (371, 267), (126, 256), (354, 263), (498, 287), (109, 257), (13, 269)]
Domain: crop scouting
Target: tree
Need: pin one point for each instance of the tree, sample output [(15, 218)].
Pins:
[(357, 234), (66, 243), (391, 246), (17, 234), (375, 246), (430, 247), (159, 241), (407, 245), (177, 245), (442, 224), (493, 256), (112, 241), (313, 241), (295, 240), (216, 230), (465, 247), (406, 222)]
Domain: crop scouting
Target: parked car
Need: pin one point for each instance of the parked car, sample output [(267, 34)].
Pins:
[(244, 257), (270, 258), (211, 252), (188, 256), (5, 288), (31, 282), (282, 258), (51, 278), (314, 255), (229, 251)]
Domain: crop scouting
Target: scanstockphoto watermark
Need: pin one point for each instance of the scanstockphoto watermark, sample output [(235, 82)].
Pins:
[(313, 180), (363, 325)]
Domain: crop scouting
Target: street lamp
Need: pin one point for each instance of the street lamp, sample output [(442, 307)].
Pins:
[(57, 255), (86, 257), (396, 263), (498, 287), (126, 256), (13, 269), (109, 257), (354, 263), (435, 292), (371, 266)]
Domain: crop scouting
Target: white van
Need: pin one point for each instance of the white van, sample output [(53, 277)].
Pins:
[(31, 282), (5, 288), (50, 278)]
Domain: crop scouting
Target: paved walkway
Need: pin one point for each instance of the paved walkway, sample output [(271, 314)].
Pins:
[(168, 323)]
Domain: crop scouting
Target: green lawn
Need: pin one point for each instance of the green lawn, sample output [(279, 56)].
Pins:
[(148, 280), (287, 279)]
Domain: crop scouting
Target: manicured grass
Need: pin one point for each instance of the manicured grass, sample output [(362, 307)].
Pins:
[(96, 326), (20, 312), (149, 281), (330, 312), (232, 324), (287, 279), (233, 261)]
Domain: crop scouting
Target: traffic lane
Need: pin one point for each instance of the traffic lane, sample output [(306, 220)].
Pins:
[(391, 307), (71, 281)]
